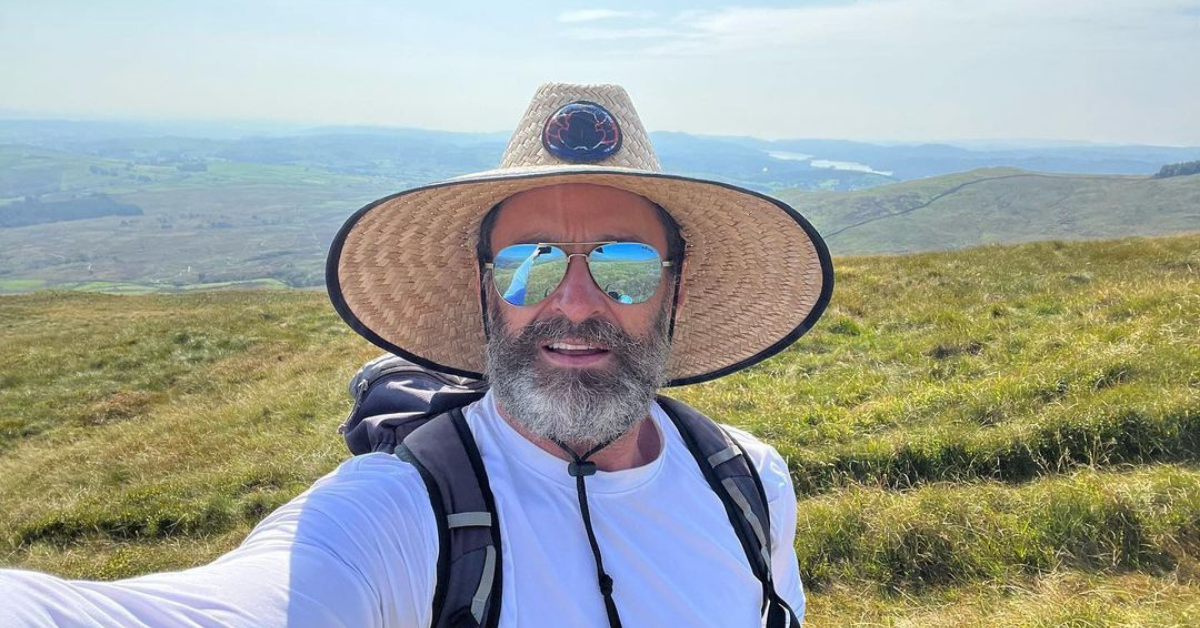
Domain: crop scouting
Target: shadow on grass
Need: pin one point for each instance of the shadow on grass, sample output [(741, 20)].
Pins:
[(1123, 437)]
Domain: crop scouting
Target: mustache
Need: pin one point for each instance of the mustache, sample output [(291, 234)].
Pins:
[(595, 331), (578, 406)]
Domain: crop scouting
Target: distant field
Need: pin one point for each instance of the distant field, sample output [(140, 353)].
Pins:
[(232, 222), (998, 436), (116, 287)]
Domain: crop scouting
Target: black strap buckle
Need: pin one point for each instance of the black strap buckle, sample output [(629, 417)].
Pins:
[(581, 468)]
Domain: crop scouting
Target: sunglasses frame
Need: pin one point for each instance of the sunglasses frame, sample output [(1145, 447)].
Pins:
[(592, 246)]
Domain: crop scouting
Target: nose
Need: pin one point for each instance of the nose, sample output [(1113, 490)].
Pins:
[(577, 297)]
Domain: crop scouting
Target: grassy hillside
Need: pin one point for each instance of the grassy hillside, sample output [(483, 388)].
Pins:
[(997, 436), (999, 205)]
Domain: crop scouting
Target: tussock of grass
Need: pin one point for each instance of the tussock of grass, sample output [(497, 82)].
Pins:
[(1055, 600), (1107, 436), (945, 535), (149, 513), (104, 558)]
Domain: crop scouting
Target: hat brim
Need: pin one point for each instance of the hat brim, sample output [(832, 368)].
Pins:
[(402, 271)]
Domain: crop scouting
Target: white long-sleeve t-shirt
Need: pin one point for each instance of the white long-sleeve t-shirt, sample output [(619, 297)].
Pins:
[(359, 549)]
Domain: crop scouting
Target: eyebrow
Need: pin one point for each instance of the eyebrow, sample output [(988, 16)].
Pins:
[(537, 238)]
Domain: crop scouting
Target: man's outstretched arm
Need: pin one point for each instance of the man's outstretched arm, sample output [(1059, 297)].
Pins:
[(359, 548)]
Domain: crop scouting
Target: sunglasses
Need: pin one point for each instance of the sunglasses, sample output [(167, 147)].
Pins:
[(628, 272)]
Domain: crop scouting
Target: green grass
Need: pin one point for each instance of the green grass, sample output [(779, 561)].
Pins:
[(20, 285), (29, 170), (996, 436), (1142, 520)]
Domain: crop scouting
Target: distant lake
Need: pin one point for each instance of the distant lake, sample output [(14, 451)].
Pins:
[(784, 155), (848, 165)]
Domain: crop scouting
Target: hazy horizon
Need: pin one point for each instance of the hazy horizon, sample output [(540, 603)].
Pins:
[(884, 71), (217, 128)]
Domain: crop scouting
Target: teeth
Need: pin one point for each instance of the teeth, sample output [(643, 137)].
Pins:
[(562, 346)]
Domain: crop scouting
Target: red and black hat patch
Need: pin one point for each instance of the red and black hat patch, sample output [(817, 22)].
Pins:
[(582, 132)]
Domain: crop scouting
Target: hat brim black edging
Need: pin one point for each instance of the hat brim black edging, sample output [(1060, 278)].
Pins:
[(333, 283)]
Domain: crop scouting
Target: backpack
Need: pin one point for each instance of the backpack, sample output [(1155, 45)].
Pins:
[(416, 414)]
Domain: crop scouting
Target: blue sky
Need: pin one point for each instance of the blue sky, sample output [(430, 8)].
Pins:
[(1096, 70)]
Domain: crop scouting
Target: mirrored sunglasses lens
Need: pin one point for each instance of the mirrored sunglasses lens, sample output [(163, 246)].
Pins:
[(525, 274), (629, 272)]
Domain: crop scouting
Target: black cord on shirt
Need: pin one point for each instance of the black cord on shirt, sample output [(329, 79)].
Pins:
[(579, 468)]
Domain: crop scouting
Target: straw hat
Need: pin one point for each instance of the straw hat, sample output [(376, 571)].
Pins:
[(402, 270)]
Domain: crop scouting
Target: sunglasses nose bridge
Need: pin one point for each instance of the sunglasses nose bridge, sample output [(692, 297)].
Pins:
[(577, 294), (580, 271), (586, 262)]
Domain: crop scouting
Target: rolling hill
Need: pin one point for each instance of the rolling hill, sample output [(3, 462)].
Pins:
[(1000, 205), (1006, 435)]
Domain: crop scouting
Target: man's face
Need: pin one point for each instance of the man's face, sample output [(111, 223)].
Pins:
[(577, 367)]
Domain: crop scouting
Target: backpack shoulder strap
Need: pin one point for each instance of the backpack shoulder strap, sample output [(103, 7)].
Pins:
[(725, 465), (467, 594)]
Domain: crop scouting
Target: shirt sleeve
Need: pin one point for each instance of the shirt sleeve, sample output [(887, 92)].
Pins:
[(358, 549), (781, 503)]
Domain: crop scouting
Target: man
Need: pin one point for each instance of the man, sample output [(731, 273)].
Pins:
[(578, 279)]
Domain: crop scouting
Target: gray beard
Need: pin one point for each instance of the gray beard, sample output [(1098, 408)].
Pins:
[(580, 407)]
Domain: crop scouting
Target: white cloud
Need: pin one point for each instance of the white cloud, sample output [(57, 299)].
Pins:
[(873, 25), (615, 34), (593, 15), (1103, 70)]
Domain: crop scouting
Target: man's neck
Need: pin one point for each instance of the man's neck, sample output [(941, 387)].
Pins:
[(638, 446)]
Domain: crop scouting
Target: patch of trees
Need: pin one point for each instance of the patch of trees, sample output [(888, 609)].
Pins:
[(107, 172), (32, 211), (1178, 170), (16, 181)]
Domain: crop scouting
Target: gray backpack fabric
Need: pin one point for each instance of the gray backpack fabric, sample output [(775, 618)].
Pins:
[(414, 413)]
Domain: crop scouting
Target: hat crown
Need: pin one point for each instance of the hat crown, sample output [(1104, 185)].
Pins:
[(527, 148)]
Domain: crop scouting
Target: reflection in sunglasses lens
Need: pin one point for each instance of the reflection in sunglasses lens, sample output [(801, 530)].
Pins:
[(628, 272)]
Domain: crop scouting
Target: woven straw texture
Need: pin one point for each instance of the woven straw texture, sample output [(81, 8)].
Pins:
[(407, 267), (525, 148)]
